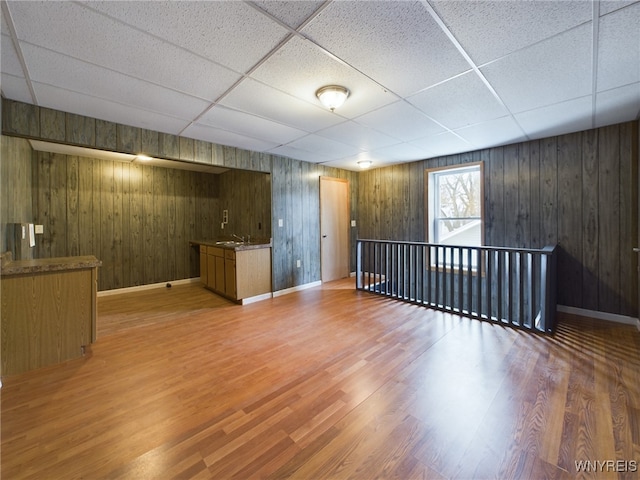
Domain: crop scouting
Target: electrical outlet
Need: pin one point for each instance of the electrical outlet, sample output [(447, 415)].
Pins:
[(298, 263), (280, 222), (39, 229), (353, 223)]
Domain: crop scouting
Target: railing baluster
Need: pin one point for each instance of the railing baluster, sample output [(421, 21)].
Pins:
[(517, 284)]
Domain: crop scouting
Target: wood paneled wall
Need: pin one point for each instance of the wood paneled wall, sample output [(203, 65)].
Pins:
[(136, 219), (247, 198), (578, 190), (295, 185), (15, 190)]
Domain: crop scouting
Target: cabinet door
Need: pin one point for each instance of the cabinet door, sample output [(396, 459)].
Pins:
[(219, 275), (230, 277), (211, 271), (203, 265)]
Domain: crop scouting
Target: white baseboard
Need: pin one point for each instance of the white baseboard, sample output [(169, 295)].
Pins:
[(139, 288), (611, 317), (257, 298), (297, 288)]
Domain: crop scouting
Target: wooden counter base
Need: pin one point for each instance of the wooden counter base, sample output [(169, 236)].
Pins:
[(48, 314)]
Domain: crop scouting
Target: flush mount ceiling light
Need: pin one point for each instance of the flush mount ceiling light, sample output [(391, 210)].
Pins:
[(143, 158), (364, 163), (332, 96)]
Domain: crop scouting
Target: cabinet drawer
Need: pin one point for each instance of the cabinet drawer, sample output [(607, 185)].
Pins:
[(230, 254), (216, 251)]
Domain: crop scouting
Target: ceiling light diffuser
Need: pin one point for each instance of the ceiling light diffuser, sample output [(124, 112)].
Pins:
[(332, 96), (365, 163)]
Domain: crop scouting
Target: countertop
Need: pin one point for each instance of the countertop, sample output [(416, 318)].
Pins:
[(43, 265), (228, 245)]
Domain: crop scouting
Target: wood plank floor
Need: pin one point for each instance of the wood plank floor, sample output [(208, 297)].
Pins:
[(324, 383)]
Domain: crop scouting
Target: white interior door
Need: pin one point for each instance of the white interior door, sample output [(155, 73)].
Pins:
[(334, 228)]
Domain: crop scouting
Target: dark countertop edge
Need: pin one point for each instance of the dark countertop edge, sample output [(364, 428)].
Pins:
[(236, 248), (44, 265)]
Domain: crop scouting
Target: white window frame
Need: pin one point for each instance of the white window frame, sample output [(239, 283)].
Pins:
[(432, 202)]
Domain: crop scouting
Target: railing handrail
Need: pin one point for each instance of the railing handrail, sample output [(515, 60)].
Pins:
[(508, 285), (547, 250)]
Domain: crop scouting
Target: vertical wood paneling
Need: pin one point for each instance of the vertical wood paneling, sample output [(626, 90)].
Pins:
[(147, 225), (629, 158), (549, 191), (570, 217), (129, 139), (20, 118), (73, 213), (107, 184), (172, 229), (573, 190), (523, 229), (136, 224), (52, 124), (590, 226), (80, 130), (17, 200), (58, 209), (106, 135), (535, 207), (160, 209), (86, 207), (125, 247), (609, 218), (202, 152), (510, 199), (494, 211), (168, 146), (118, 226), (187, 149), (149, 142)]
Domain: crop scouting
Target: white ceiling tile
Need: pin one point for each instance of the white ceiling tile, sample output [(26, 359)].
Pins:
[(15, 88), (224, 137), (401, 152), (464, 100), (549, 72), (309, 69), (9, 62), (495, 132), (74, 102), (291, 13), (609, 6), (61, 71), (570, 116), (619, 48), (300, 154), (619, 104), (267, 102), (120, 48), (250, 125), (488, 30), (400, 120), (405, 49), (443, 144), (328, 147), (361, 137), (203, 27)]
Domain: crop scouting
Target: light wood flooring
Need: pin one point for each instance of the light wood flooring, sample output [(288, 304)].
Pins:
[(324, 383)]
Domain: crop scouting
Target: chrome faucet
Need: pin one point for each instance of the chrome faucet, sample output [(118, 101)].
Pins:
[(239, 238)]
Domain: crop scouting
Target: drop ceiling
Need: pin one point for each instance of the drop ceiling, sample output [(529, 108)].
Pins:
[(427, 78)]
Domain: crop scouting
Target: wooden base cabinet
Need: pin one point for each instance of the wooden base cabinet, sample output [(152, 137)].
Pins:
[(237, 274)]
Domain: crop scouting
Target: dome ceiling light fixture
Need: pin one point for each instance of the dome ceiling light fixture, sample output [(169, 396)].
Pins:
[(365, 163), (332, 96)]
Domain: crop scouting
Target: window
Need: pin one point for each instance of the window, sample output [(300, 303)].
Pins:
[(455, 208)]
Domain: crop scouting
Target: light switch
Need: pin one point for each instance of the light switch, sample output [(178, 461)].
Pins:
[(39, 229), (280, 222), (353, 223)]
